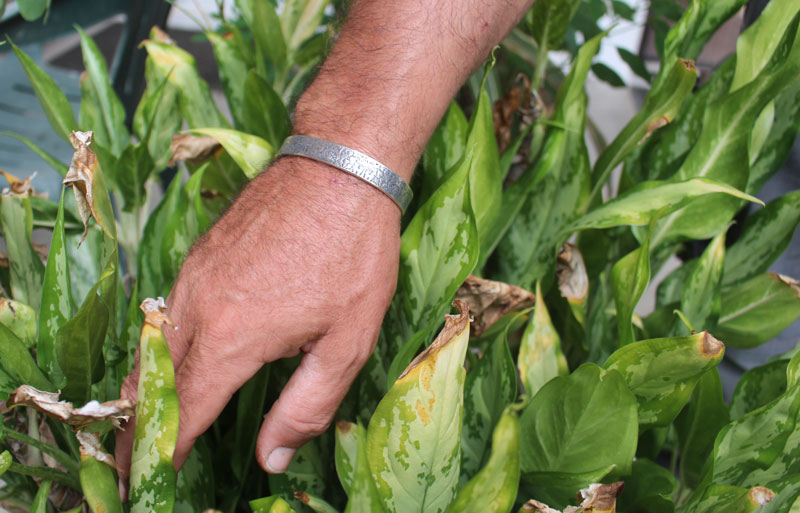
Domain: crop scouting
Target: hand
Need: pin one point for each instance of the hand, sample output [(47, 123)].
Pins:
[(304, 260)]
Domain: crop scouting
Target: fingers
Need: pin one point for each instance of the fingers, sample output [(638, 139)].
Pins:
[(309, 401), (205, 382)]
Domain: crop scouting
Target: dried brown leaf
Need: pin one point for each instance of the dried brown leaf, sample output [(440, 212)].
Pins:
[(600, 498), (80, 177), (489, 300), (573, 281), (538, 507), (192, 148), (90, 446), (517, 101), (154, 312), (49, 404)]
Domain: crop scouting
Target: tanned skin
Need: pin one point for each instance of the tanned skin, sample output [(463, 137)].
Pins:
[(306, 258)]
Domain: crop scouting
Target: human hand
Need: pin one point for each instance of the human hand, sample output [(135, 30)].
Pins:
[(304, 260)]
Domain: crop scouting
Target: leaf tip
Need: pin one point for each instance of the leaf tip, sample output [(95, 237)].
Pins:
[(154, 312), (711, 347), (454, 325), (761, 495)]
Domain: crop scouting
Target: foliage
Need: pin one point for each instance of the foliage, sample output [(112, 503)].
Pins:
[(431, 424)]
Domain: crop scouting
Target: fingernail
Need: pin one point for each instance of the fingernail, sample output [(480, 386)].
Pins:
[(278, 460)]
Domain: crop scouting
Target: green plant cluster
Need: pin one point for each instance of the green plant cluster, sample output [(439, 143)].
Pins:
[(528, 401)]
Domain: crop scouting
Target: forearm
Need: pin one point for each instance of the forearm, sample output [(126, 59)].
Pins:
[(394, 69)]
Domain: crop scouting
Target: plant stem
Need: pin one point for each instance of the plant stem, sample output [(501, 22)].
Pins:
[(541, 63), (47, 473), (57, 454), (34, 455)]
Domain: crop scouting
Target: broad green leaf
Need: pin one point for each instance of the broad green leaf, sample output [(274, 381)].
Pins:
[(196, 104), (485, 182), (272, 504), (151, 281), (264, 113), (607, 75), (300, 20), (26, 268), (194, 488), (362, 495), (540, 357), (158, 114), (99, 485), (700, 301), (761, 130), (662, 105), (489, 387), (54, 102), (439, 250), (494, 488), (79, 341), (635, 63), (306, 473), (111, 110), (629, 278), (5, 461), (756, 310), (414, 436), (152, 477), (268, 34), (759, 386), (543, 201), (550, 21), (346, 453), (580, 423), (733, 499), (638, 205), (39, 504), (764, 237), (57, 303), (444, 149), (755, 46), (764, 444), (232, 73), (648, 489), (787, 495), (250, 152), (18, 363), (662, 372), (697, 427), (53, 162), (133, 169), (32, 10), (20, 319)]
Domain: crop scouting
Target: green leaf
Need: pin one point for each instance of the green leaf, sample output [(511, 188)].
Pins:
[(362, 495), (54, 102), (26, 268), (194, 488), (232, 73), (408, 351), (273, 504), (195, 101), (268, 34), (758, 309), (550, 21), (662, 105), (580, 423), (540, 357), (18, 362), (134, 167), (99, 485), (638, 205), (764, 237), (494, 488), (414, 436), (151, 281), (648, 489), (444, 149), (39, 504), (732, 499), (439, 250), (264, 113), (700, 301), (635, 63), (558, 488), (607, 75), (249, 413), (20, 319), (662, 372), (5, 461), (111, 109), (152, 477), (250, 152), (53, 162), (759, 386), (57, 303), (32, 10), (300, 20), (761, 446), (158, 114), (629, 278), (543, 201), (489, 387), (346, 453), (761, 129), (306, 473), (698, 425), (79, 341)]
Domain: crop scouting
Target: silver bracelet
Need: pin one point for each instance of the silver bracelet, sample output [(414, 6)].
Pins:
[(353, 162)]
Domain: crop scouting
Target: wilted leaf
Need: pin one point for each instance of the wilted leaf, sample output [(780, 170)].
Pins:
[(573, 281), (63, 411), (250, 152), (192, 149), (90, 446), (489, 300)]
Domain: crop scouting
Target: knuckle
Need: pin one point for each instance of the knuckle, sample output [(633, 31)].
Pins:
[(307, 426)]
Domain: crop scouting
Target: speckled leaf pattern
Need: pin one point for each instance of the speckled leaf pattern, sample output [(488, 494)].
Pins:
[(494, 488), (346, 453), (700, 299), (629, 277), (20, 319), (362, 495), (540, 356), (759, 386), (662, 372), (250, 152), (445, 148), (153, 478), (26, 268), (414, 437)]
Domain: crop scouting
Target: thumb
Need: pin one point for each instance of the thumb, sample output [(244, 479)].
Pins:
[(307, 404)]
